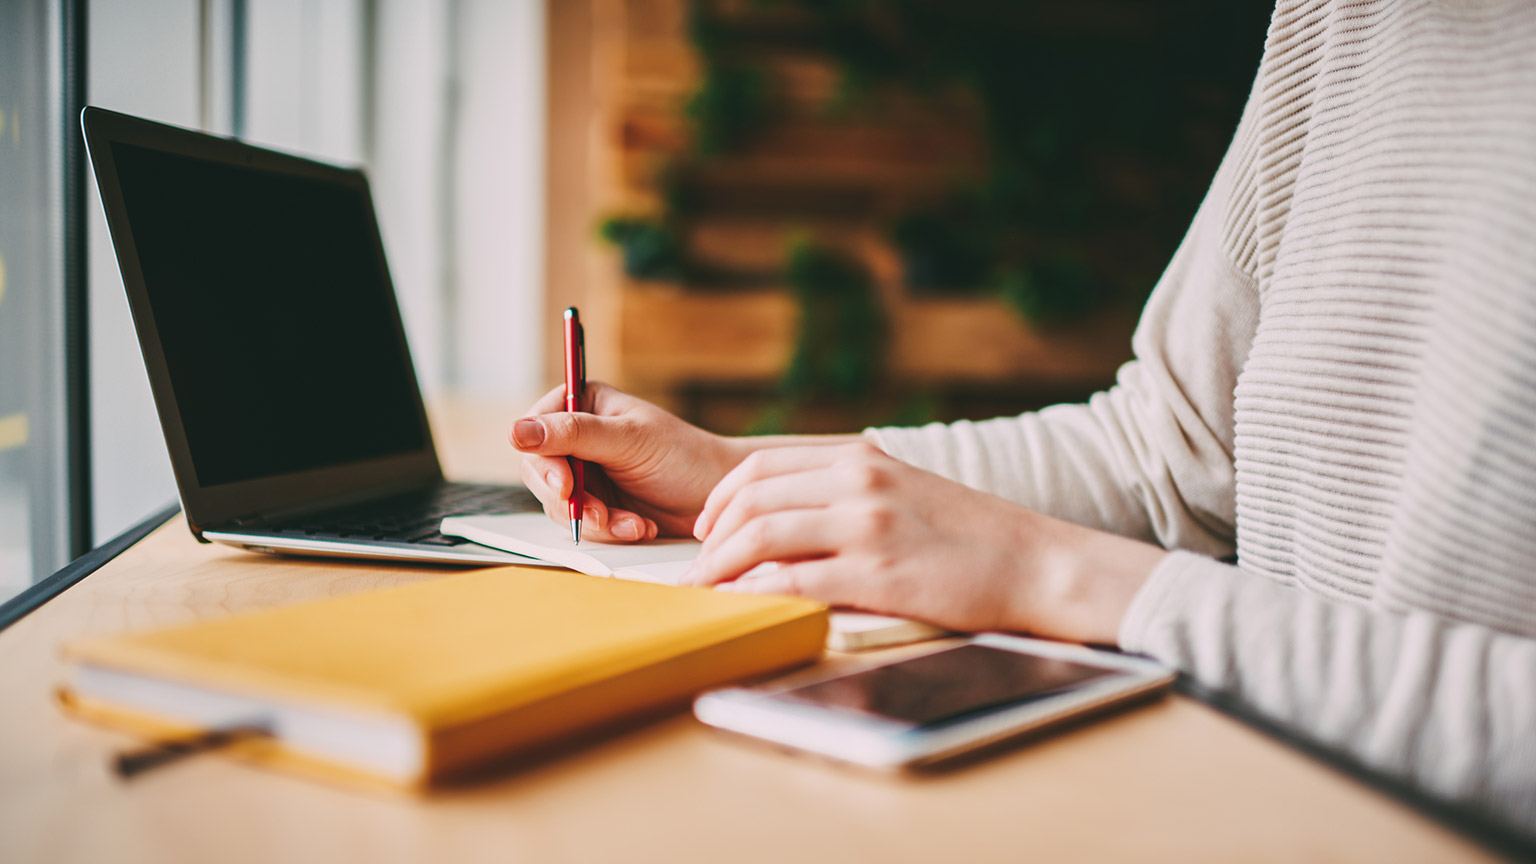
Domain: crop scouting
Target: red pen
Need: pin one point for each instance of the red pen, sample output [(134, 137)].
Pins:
[(575, 390)]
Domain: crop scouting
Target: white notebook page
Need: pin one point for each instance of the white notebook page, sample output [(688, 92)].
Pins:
[(662, 561)]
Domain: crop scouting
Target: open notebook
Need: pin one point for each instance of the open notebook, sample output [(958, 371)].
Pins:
[(661, 561)]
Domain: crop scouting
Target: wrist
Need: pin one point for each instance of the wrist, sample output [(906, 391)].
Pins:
[(737, 448), (1086, 581), (732, 450)]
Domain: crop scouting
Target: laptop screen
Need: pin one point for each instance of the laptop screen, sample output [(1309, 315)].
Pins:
[(275, 315)]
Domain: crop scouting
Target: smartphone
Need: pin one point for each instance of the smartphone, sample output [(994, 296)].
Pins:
[(922, 710)]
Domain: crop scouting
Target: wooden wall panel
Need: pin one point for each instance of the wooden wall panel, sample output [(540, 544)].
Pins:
[(840, 181)]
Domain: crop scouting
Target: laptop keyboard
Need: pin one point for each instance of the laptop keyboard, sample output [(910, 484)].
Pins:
[(412, 517)]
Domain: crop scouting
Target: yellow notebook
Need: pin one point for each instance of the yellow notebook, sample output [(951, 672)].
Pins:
[(414, 684)]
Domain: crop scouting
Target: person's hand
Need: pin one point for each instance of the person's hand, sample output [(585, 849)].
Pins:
[(851, 526), (648, 472)]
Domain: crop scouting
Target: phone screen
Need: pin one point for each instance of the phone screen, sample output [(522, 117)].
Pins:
[(948, 685)]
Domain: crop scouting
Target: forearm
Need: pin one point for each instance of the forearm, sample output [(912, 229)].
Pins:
[(742, 446)]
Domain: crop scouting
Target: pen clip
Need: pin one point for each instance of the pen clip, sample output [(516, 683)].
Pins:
[(581, 365)]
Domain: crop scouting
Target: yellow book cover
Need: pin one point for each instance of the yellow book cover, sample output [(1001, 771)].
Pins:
[(415, 684)]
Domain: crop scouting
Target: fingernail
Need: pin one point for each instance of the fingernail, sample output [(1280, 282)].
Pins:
[(528, 433), (627, 529), (552, 480), (698, 528), (590, 515)]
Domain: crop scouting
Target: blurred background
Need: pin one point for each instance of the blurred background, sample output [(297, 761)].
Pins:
[(775, 215)]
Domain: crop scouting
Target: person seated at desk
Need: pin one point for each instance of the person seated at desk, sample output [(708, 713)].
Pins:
[(1315, 486)]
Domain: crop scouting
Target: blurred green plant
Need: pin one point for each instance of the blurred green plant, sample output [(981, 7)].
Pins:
[(840, 349), (1052, 291), (651, 249), (1103, 122), (942, 252), (732, 100)]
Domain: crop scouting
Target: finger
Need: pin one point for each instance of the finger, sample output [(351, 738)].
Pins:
[(798, 491), (604, 440), (548, 478), (595, 516), (549, 499), (759, 466), (615, 526), (603, 523), (557, 512), (555, 507), (788, 535), (604, 399), (552, 488), (624, 526), (822, 580)]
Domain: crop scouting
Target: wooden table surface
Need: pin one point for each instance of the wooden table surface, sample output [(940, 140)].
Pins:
[(1173, 781)]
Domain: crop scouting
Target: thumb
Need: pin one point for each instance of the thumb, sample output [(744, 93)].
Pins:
[(604, 440)]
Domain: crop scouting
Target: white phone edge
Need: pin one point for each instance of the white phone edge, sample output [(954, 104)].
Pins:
[(879, 743)]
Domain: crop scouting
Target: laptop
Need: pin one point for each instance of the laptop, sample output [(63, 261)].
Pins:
[(275, 350)]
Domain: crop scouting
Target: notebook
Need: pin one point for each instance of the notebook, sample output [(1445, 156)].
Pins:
[(661, 561), (410, 685)]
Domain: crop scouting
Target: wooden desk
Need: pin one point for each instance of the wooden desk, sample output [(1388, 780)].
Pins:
[(1175, 781)]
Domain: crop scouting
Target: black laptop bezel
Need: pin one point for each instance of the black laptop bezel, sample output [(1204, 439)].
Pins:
[(213, 507)]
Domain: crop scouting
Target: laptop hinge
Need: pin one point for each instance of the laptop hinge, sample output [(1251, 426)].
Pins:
[(254, 520), (284, 514)]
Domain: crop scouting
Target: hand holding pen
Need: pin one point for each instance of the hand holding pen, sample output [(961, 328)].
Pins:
[(620, 468)]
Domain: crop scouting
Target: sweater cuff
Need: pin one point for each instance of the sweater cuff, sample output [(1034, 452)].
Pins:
[(872, 435), (1157, 593), (911, 445)]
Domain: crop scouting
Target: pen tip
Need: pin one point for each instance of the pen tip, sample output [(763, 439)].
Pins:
[(576, 531)]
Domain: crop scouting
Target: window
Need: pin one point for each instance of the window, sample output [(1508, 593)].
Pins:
[(442, 102), (38, 532)]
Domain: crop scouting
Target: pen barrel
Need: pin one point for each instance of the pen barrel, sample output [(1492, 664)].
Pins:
[(578, 470), (575, 373), (578, 480), (575, 390)]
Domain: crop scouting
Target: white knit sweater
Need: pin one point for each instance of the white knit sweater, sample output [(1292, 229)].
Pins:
[(1336, 383)]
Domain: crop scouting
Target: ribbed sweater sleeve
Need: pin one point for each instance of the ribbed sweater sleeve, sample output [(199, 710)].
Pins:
[(1445, 706)]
